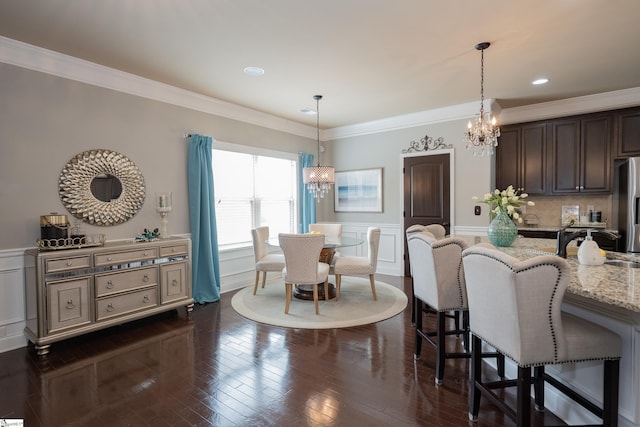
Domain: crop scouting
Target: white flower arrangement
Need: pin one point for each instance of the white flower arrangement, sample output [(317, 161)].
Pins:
[(506, 201)]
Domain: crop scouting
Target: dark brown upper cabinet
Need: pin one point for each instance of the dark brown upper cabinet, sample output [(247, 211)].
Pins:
[(580, 155), (628, 132), (521, 158)]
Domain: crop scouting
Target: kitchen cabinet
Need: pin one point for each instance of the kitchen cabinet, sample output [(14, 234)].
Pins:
[(75, 291), (628, 132), (581, 154), (521, 158)]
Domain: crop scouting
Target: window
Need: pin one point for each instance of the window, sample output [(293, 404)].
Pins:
[(253, 190)]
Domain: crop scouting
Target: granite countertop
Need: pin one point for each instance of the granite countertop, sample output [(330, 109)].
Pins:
[(607, 284)]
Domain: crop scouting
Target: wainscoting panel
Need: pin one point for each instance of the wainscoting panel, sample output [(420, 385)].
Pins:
[(12, 305)]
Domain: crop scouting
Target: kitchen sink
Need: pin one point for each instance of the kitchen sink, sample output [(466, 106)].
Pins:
[(623, 263)]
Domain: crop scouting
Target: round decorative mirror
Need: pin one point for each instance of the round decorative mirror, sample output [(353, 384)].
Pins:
[(101, 187)]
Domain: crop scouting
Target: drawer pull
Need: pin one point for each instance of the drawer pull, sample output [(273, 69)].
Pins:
[(69, 263), (109, 284), (174, 282), (70, 305), (145, 299), (146, 253), (145, 278), (109, 258), (110, 307), (173, 249)]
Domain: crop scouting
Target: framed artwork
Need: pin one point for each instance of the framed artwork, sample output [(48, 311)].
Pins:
[(359, 191)]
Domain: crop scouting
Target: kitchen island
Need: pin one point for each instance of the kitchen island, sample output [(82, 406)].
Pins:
[(607, 295)]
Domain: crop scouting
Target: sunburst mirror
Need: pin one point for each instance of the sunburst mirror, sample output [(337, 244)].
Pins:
[(101, 187)]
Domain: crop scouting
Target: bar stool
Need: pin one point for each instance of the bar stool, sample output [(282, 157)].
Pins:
[(439, 282), (515, 306)]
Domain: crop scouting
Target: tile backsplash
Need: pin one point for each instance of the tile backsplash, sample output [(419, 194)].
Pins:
[(548, 209)]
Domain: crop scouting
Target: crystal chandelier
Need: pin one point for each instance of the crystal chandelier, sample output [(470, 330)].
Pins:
[(318, 179), (482, 135)]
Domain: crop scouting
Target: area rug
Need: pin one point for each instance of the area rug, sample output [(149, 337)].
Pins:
[(355, 307)]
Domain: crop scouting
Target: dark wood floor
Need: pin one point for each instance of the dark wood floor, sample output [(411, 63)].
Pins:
[(220, 369)]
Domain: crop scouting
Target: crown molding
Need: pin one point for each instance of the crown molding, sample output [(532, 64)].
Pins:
[(35, 58), (572, 106)]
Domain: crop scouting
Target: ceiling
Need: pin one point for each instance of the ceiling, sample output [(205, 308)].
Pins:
[(370, 59)]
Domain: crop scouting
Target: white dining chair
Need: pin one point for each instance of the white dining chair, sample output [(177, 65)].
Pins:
[(360, 266), (301, 254), (264, 260)]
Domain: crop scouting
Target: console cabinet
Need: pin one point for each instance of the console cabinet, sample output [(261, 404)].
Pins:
[(75, 291)]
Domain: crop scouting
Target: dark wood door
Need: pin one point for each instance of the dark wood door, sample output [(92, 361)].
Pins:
[(426, 194)]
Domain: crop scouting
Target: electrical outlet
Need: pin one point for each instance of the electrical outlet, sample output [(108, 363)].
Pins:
[(477, 210)]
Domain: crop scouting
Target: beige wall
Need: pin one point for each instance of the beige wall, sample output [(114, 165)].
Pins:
[(46, 120)]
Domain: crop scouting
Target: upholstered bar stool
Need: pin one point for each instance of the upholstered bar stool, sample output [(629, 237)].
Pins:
[(439, 282), (515, 306), (438, 232)]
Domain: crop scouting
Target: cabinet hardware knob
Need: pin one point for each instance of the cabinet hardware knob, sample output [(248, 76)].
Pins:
[(145, 278), (69, 263), (70, 305), (110, 307), (109, 284), (174, 282), (146, 253), (109, 259), (145, 298), (173, 249)]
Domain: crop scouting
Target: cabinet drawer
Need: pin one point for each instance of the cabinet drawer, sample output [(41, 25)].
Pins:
[(55, 265), (107, 284), (124, 257), (126, 303), (68, 303), (177, 249), (174, 282)]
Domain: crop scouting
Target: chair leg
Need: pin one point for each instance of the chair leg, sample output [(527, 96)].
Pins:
[(338, 277), (610, 393), (500, 365), (465, 328), (264, 278), (315, 297), (373, 287), (326, 289), (440, 350), (255, 287), (523, 405), (288, 289), (538, 387), (476, 378), (413, 304), (419, 314)]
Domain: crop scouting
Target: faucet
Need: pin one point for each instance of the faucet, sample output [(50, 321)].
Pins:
[(565, 237)]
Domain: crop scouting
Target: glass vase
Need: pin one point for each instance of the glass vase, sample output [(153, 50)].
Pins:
[(502, 231)]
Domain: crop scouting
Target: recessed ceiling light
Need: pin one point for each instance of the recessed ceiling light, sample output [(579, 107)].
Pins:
[(308, 111), (540, 81), (254, 71)]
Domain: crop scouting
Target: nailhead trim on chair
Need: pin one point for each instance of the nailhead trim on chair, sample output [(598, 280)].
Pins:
[(460, 291), (553, 332)]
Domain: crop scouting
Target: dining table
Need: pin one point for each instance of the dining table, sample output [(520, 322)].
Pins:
[(331, 244)]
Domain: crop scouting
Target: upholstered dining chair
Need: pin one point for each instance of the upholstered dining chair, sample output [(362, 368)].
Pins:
[(264, 260), (515, 306), (301, 254), (360, 266), (329, 230)]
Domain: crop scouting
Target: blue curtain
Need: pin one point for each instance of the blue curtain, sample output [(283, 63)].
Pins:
[(307, 211), (205, 268)]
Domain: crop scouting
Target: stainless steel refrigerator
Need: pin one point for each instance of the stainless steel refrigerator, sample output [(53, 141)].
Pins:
[(627, 202)]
